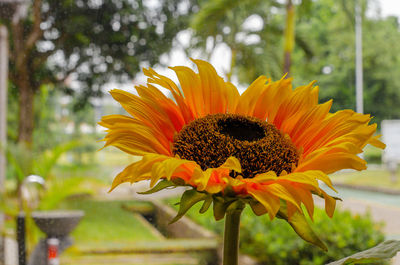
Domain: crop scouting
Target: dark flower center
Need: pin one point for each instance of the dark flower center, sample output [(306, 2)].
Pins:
[(241, 129), (259, 146)]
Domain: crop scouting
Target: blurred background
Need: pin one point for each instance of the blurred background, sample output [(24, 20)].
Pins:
[(58, 59)]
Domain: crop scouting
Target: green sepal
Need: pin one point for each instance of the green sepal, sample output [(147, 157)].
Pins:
[(385, 250), (236, 205), (206, 204), (188, 199), (219, 206), (179, 182), (160, 186), (300, 225), (257, 207)]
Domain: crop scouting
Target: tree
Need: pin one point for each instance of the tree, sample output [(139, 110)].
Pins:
[(330, 31), (254, 51), (87, 42), (324, 48), (224, 22)]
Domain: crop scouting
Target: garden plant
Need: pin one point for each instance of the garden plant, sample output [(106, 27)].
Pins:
[(269, 147)]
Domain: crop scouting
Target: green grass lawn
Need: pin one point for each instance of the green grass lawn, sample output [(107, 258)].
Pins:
[(108, 233), (106, 222), (374, 178)]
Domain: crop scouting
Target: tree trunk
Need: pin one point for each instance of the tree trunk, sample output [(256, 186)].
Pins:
[(23, 43), (26, 110)]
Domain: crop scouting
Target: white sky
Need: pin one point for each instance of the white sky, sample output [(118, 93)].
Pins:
[(390, 7)]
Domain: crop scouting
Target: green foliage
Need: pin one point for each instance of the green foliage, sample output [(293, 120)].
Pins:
[(324, 48), (59, 189), (12, 112), (99, 41), (24, 161), (275, 242), (188, 199), (330, 35), (46, 161), (78, 46), (222, 204), (218, 23), (20, 161), (48, 119), (160, 186)]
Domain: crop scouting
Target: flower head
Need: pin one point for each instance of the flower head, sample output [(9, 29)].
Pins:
[(269, 147)]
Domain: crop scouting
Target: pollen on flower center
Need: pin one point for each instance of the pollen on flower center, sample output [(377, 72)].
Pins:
[(259, 146)]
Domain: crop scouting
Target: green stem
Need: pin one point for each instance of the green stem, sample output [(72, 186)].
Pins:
[(231, 234)]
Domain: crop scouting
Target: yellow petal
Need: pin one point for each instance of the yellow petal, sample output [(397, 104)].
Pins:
[(265, 177), (376, 142), (200, 178), (191, 86), (281, 192), (268, 200), (249, 97), (232, 163), (330, 204)]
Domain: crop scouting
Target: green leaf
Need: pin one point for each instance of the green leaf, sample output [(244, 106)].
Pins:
[(220, 206), (206, 204), (385, 250), (20, 159), (188, 199), (160, 186), (61, 188), (257, 207), (300, 225), (45, 162), (179, 182)]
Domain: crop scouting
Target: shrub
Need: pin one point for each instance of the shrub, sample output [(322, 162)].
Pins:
[(275, 242)]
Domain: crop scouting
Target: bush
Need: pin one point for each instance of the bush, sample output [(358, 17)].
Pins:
[(275, 242)]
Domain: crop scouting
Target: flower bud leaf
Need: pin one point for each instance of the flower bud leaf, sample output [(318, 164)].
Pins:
[(300, 225), (160, 186), (220, 205), (188, 199), (206, 204)]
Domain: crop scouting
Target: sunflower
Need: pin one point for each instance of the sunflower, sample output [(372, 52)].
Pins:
[(269, 147)]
